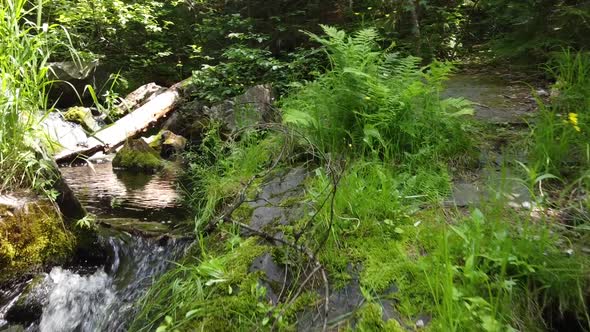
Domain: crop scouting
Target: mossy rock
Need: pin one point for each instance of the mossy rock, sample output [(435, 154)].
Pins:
[(32, 235), (82, 116), (29, 306), (172, 144), (138, 155), (137, 227)]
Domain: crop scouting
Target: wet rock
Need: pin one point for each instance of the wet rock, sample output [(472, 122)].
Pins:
[(343, 302), (136, 226), (267, 215), (282, 187), (272, 271), (253, 107), (171, 144), (82, 116), (32, 235), (71, 80), (495, 100), (29, 307), (137, 155), (67, 135), (466, 194)]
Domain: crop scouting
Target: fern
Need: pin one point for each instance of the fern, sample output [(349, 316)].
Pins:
[(377, 102)]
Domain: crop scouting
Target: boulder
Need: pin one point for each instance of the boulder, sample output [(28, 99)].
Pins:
[(29, 306), (32, 235), (66, 135), (70, 81), (250, 108), (82, 116), (171, 144), (137, 155)]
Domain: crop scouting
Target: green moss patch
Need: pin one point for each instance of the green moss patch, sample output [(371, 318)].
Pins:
[(31, 236), (138, 155)]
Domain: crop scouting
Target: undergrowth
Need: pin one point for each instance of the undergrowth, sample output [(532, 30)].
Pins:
[(27, 45), (378, 103), (377, 139)]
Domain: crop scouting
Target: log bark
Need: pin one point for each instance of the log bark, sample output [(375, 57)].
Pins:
[(140, 96), (109, 138)]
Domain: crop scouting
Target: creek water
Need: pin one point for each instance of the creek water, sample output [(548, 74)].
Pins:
[(104, 298)]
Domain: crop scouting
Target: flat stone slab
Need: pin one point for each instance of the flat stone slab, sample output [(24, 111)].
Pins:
[(495, 99), (136, 227)]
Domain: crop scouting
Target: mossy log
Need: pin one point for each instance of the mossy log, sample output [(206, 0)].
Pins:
[(109, 138)]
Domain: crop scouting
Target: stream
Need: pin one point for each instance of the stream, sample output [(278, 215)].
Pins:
[(103, 298)]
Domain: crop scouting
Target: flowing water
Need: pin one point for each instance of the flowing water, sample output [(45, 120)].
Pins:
[(104, 298)]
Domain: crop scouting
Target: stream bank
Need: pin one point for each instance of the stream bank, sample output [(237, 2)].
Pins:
[(136, 216)]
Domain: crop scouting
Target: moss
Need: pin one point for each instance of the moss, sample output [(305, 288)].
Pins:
[(243, 213), (32, 236), (135, 226), (228, 296), (82, 116), (138, 155), (369, 318)]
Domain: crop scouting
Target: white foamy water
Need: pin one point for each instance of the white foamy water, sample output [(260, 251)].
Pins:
[(77, 303)]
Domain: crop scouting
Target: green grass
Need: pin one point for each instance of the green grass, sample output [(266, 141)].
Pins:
[(379, 125), (561, 135), (26, 49), (211, 292), (220, 169)]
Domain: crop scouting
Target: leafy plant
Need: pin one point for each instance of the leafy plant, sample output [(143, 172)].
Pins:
[(562, 131), (26, 49), (377, 103), (487, 266)]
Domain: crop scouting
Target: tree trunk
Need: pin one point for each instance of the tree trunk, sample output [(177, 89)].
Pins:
[(414, 6)]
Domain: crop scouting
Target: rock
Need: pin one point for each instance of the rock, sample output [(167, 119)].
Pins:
[(70, 81), (66, 135), (136, 226), (496, 100), (32, 235), (253, 107), (266, 216), (189, 121), (136, 154), (171, 144), (193, 118), (343, 302), (542, 93), (82, 116), (29, 306), (272, 271)]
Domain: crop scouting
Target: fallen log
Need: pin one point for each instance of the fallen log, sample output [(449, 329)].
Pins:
[(137, 98), (109, 138)]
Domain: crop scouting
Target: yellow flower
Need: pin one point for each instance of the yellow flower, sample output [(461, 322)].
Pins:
[(573, 118)]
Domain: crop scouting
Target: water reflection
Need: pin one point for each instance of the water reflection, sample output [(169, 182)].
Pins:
[(109, 193)]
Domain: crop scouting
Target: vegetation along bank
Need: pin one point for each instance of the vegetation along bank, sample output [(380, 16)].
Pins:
[(294, 166)]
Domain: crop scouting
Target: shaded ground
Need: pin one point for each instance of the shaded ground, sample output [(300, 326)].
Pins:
[(504, 106)]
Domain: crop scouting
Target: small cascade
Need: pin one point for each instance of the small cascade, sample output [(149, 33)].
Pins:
[(77, 303), (104, 298)]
